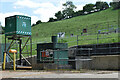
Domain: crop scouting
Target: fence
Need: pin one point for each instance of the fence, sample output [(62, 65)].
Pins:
[(104, 32), (96, 34), (81, 53)]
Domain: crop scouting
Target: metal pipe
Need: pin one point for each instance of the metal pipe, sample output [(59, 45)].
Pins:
[(10, 45), (4, 61), (14, 62), (25, 43), (5, 43), (26, 59), (31, 47)]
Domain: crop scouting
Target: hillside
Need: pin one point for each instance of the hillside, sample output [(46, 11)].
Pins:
[(92, 22), (104, 21)]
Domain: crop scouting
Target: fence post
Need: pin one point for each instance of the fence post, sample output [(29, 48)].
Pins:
[(97, 38), (77, 40), (108, 26)]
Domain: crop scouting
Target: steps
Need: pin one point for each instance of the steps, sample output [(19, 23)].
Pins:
[(23, 67)]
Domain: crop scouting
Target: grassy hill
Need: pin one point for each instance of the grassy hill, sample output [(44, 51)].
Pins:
[(103, 20), (93, 22)]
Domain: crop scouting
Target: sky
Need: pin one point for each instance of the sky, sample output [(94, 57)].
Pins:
[(37, 9)]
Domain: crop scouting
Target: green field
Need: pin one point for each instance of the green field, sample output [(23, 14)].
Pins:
[(103, 20)]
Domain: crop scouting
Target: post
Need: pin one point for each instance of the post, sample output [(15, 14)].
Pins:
[(31, 48), (5, 44), (4, 61), (14, 64), (97, 38), (77, 45), (14, 58), (77, 40), (16, 53), (20, 51)]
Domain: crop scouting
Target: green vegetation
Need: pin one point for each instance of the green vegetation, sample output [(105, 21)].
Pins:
[(69, 10), (93, 22), (103, 20), (115, 5)]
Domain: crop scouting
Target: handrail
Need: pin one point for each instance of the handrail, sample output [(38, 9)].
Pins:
[(26, 59)]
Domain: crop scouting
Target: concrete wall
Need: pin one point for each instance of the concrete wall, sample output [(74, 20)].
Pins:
[(106, 62), (40, 66), (111, 62), (81, 63)]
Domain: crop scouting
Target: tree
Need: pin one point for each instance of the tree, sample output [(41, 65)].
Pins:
[(59, 15), (2, 29), (78, 13), (69, 9), (38, 22), (106, 6), (88, 8), (33, 24), (101, 5), (115, 5), (51, 19)]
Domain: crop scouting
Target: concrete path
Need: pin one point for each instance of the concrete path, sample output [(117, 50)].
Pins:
[(39, 74)]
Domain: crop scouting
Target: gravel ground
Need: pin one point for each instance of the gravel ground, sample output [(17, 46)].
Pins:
[(58, 74)]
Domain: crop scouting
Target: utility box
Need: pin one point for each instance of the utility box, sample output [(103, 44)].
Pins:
[(61, 57), (52, 52), (18, 25)]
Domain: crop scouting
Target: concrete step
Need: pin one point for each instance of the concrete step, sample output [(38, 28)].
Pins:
[(23, 67)]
